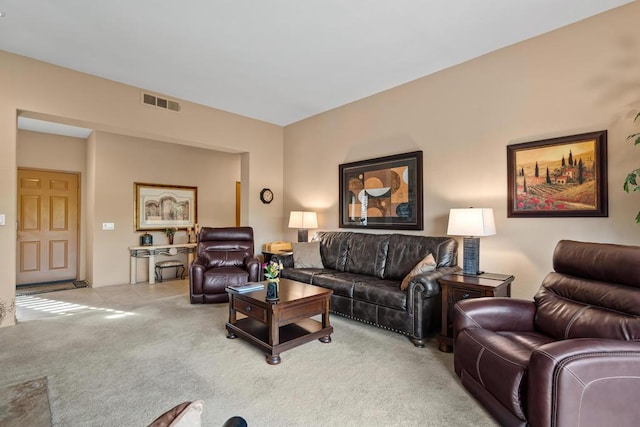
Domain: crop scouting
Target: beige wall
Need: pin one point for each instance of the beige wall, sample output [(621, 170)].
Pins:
[(124, 160), (45, 91), (580, 78)]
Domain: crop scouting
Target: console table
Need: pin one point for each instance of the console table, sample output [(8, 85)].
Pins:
[(150, 252)]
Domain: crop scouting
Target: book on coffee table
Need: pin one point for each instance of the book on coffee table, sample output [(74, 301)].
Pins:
[(249, 287)]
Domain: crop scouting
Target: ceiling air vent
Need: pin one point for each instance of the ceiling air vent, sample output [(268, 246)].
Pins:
[(160, 102)]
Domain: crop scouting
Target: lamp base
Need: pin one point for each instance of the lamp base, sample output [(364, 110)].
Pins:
[(303, 235), (471, 256)]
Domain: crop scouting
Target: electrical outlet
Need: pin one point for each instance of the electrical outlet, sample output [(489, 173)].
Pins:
[(108, 226)]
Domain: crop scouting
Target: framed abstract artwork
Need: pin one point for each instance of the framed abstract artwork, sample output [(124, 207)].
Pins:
[(559, 177), (162, 206), (384, 192)]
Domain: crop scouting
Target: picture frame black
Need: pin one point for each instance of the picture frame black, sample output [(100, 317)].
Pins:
[(558, 177), (382, 193)]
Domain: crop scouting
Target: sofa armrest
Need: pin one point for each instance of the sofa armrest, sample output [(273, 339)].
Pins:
[(495, 314), (427, 283), (584, 381), (285, 259)]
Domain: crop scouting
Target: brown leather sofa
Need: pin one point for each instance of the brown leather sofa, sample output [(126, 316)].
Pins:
[(365, 272), (224, 256), (571, 357)]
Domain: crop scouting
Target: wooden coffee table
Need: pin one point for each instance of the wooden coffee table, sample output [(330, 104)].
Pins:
[(280, 326)]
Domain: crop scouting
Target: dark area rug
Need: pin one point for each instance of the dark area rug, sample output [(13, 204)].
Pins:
[(50, 287), (25, 404)]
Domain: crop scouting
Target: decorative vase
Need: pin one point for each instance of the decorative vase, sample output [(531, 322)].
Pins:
[(272, 291), (146, 239), (170, 236)]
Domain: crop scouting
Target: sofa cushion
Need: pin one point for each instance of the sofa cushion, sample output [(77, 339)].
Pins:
[(216, 280), (333, 248), (381, 292), (217, 259), (406, 251), (570, 307), (367, 254), (598, 261), (425, 265), (307, 255), (341, 283), (304, 275)]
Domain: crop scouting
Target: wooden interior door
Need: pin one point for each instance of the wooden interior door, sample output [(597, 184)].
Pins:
[(238, 199), (47, 247)]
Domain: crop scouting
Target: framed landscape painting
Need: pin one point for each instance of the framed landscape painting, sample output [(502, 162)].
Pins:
[(163, 206), (559, 177), (384, 192)]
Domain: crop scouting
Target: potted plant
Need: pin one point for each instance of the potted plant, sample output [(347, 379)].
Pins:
[(631, 182), (272, 271), (170, 231)]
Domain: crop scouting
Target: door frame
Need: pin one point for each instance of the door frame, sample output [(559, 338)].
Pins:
[(79, 257)]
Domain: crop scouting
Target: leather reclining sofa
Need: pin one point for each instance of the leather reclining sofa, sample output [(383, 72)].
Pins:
[(365, 272), (571, 357)]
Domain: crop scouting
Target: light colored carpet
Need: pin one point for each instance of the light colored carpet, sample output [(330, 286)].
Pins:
[(124, 355)]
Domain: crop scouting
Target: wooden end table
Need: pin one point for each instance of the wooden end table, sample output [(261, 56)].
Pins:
[(457, 286), (276, 327)]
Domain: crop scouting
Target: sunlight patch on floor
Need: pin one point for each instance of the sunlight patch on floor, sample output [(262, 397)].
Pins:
[(53, 306)]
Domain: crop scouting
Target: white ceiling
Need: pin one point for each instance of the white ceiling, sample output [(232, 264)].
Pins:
[(280, 60)]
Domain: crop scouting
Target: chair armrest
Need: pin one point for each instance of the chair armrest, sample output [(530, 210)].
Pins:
[(196, 274), (252, 265), (495, 314), (200, 262), (589, 379)]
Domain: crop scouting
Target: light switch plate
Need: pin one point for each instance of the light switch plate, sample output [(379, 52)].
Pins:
[(108, 226), (2, 219)]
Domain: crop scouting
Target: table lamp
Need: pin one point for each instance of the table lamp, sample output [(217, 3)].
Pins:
[(471, 223), (303, 221)]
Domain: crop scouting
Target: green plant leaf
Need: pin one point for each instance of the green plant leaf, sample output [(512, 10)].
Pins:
[(631, 181), (636, 118), (638, 218)]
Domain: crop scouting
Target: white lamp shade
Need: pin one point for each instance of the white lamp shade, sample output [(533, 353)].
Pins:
[(301, 219), (471, 222)]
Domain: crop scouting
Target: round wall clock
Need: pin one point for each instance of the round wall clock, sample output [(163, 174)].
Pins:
[(266, 195)]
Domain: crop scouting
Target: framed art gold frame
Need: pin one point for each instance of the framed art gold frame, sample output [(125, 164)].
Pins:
[(384, 192), (559, 177), (163, 206)]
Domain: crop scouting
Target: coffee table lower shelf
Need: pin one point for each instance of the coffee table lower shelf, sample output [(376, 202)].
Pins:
[(290, 336)]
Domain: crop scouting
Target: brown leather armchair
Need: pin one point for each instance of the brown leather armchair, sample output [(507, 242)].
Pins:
[(571, 357), (224, 256)]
